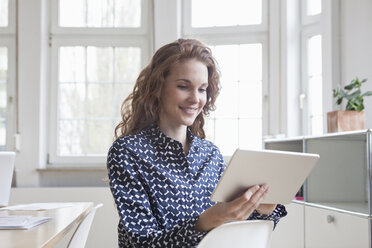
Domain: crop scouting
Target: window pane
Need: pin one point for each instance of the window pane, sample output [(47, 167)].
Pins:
[(99, 138), (3, 95), (100, 62), (2, 134), (100, 13), (225, 13), (71, 64), (128, 13), (209, 129), (72, 13), (99, 101), (3, 64), (315, 55), (71, 137), (250, 133), (240, 97), (127, 64), (227, 135), (121, 91), (313, 7), (250, 100), (227, 102), (71, 101), (4, 10), (89, 105), (315, 84), (250, 65)]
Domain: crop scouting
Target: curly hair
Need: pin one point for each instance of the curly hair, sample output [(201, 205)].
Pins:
[(142, 107)]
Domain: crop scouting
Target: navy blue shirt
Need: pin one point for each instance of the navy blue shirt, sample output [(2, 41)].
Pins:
[(160, 191)]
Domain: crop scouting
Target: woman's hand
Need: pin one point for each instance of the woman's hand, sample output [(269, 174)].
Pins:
[(266, 208), (239, 209)]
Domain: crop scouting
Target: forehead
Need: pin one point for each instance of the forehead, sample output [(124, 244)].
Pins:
[(189, 66)]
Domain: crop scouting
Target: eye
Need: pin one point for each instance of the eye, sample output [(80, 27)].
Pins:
[(182, 87), (202, 90)]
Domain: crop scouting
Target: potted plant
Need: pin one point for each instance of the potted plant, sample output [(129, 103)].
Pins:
[(353, 117)]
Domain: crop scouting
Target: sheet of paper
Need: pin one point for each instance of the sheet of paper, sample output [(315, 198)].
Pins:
[(21, 221), (41, 206)]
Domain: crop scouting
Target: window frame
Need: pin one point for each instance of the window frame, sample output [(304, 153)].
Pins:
[(8, 40), (11, 28), (245, 34), (306, 118), (189, 30), (100, 37)]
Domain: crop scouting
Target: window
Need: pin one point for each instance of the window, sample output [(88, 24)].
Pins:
[(98, 50), (238, 119), (3, 94), (315, 82), (7, 74), (312, 72)]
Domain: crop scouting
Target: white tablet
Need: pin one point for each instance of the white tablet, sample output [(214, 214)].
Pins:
[(284, 172)]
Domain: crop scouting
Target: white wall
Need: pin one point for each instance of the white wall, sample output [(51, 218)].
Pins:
[(356, 46)]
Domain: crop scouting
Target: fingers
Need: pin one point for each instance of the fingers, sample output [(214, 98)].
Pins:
[(255, 200), (241, 200), (243, 206)]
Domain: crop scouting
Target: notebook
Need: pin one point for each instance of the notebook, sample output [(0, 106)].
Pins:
[(6, 175), (21, 221), (284, 172)]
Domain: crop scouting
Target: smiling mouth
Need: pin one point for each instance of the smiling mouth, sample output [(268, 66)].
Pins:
[(189, 110)]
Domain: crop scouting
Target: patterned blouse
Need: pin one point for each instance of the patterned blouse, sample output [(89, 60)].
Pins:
[(160, 192)]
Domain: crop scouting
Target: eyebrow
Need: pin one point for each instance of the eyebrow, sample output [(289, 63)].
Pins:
[(189, 82)]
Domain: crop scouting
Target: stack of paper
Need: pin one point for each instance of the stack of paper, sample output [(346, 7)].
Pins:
[(21, 221)]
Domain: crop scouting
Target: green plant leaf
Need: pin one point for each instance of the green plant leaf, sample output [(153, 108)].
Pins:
[(368, 93), (352, 95), (350, 86)]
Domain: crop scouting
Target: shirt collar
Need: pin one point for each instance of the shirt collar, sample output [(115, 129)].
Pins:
[(162, 140)]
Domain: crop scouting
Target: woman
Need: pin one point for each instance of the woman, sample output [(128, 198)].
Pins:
[(162, 171)]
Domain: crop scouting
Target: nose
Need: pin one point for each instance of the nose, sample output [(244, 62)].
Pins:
[(194, 97)]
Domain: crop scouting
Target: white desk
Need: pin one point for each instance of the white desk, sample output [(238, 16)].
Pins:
[(47, 234)]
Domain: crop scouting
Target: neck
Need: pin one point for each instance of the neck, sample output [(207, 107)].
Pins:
[(178, 133)]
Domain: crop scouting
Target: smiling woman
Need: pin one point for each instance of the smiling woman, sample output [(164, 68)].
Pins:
[(162, 171)]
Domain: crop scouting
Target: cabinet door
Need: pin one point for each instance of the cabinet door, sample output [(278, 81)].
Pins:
[(326, 228), (289, 233)]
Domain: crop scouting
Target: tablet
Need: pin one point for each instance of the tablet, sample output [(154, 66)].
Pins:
[(284, 172)]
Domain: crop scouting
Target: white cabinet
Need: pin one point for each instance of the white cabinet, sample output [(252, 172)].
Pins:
[(338, 192), (289, 233), (330, 229)]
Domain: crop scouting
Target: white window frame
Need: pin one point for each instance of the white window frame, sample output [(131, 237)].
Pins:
[(11, 28), (244, 34), (189, 30), (8, 39), (101, 37), (310, 26), (306, 34)]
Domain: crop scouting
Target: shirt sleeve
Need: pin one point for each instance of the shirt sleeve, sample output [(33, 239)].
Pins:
[(134, 207), (275, 216)]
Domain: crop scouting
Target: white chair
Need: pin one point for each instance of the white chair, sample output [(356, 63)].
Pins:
[(250, 233), (80, 236)]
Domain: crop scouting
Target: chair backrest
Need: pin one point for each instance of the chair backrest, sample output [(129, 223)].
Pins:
[(80, 236), (250, 233), (6, 175)]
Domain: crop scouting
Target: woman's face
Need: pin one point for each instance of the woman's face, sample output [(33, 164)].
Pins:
[(184, 93)]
